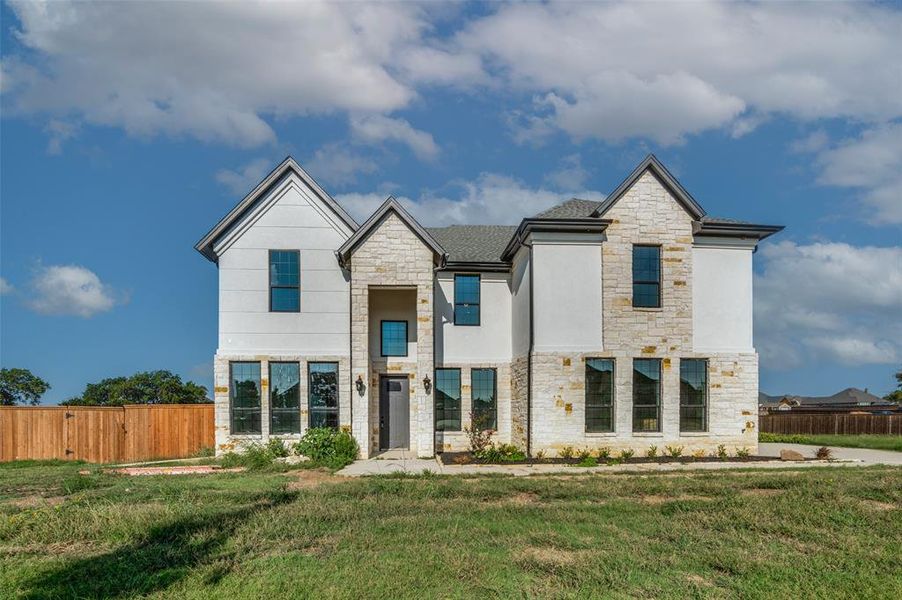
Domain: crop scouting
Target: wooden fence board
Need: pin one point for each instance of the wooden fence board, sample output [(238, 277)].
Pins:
[(831, 424), (105, 434)]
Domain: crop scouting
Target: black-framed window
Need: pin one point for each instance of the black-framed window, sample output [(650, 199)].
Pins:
[(244, 397), (394, 338), (284, 397), (693, 394), (646, 394), (484, 392), (447, 399), (466, 299), (284, 281), (647, 276), (322, 394), (599, 395)]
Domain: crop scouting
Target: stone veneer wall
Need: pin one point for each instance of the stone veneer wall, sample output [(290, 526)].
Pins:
[(392, 255), (226, 442), (519, 400), (456, 441), (646, 214)]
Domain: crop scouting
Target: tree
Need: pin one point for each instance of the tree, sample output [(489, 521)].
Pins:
[(896, 395), (21, 386), (151, 387)]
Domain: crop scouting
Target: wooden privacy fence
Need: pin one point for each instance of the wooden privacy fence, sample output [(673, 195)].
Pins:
[(831, 423), (105, 435)]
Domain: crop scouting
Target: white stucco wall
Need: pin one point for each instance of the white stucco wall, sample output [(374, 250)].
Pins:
[(567, 293), (721, 298), (490, 341), (392, 305), (520, 303), (291, 217)]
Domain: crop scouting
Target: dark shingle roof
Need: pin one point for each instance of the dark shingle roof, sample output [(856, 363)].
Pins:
[(473, 243), (710, 219), (571, 209)]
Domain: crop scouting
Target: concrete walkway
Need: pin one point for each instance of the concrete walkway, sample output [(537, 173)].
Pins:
[(868, 457)]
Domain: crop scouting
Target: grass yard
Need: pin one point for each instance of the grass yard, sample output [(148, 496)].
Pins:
[(876, 442), (761, 534)]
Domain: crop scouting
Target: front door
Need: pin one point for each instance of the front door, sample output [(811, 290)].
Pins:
[(394, 412)]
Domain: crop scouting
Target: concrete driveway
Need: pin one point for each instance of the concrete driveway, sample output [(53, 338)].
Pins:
[(871, 457)]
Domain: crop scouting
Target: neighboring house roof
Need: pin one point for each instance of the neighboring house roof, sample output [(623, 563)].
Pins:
[(389, 206), (473, 243), (287, 166), (574, 208), (847, 397)]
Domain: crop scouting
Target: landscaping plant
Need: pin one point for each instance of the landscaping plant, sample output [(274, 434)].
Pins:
[(478, 434), (627, 454), (328, 447), (823, 453), (652, 451), (674, 451), (566, 452)]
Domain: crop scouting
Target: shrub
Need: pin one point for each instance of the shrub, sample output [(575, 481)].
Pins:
[(501, 453), (566, 452), (584, 454), (700, 453), (652, 451), (540, 454), (721, 451), (588, 461), (627, 454), (479, 436), (277, 448), (743, 452), (328, 447), (823, 453), (253, 457), (674, 451), (603, 453)]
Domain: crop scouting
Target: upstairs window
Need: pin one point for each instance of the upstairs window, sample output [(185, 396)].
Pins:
[(647, 276), (284, 397), (693, 394), (322, 394), (394, 338), (599, 395), (646, 394), (466, 299), (284, 281), (484, 390), (244, 397), (447, 399)]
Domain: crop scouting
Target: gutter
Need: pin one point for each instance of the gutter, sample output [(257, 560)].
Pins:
[(529, 360), (528, 226)]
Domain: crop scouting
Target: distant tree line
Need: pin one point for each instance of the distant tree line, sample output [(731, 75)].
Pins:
[(20, 386)]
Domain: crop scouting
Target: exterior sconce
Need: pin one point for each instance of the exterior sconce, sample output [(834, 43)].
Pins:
[(427, 383), (359, 384)]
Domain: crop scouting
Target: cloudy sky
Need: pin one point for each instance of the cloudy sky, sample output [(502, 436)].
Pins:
[(129, 129)]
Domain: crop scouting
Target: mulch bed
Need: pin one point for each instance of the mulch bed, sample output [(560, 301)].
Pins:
[(467, 458)]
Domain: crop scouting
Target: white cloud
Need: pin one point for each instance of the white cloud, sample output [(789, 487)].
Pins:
[(69, 290), (5, 287), (570, 174), (828, 302), (242, 180), (337, 164), (60, 132), (378, 128), (490, 199)]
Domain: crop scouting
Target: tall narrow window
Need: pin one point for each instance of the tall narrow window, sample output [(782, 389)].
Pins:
[(646, 394), (647, 276), (322, 394), (484, 392), (447, 399), (284, 397), (599, 395), (284, 281), (466, 300), (693, 394), (394, 338), (244, 397)]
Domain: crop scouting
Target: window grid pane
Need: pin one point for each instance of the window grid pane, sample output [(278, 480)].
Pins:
[(693, 395), (647, 276), (394, 338), (244, 392), (646, 394), (322, 394), (466, 299), (599, 395), (284, 281), (483, 389), (447, 399), (285, 397)]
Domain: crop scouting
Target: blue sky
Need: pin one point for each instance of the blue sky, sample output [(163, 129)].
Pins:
[(129, 129)]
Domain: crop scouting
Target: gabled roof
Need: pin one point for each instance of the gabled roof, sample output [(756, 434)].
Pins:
[(390, 205), (651, 163), (288, 166), (473, 243), (575, 208)]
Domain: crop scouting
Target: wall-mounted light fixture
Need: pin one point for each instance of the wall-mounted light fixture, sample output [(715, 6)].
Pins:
[(427, 383), (359, 384)]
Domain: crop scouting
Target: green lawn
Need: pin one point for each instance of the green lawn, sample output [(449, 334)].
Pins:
[(877, 442), (804, 533)]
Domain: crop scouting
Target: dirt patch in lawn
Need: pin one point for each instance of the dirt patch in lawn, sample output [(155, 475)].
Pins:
[(310, 478), (173, 470), (548, 555), (655, 499), (36, 501), (878, 505), (761, 492)]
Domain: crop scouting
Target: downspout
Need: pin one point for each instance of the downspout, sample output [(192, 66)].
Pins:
[(341, 264), (529, 360)]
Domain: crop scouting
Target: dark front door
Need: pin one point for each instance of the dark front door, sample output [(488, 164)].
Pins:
[(394, 412)]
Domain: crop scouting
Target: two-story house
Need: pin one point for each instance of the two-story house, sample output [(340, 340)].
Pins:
[(624, 323)]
